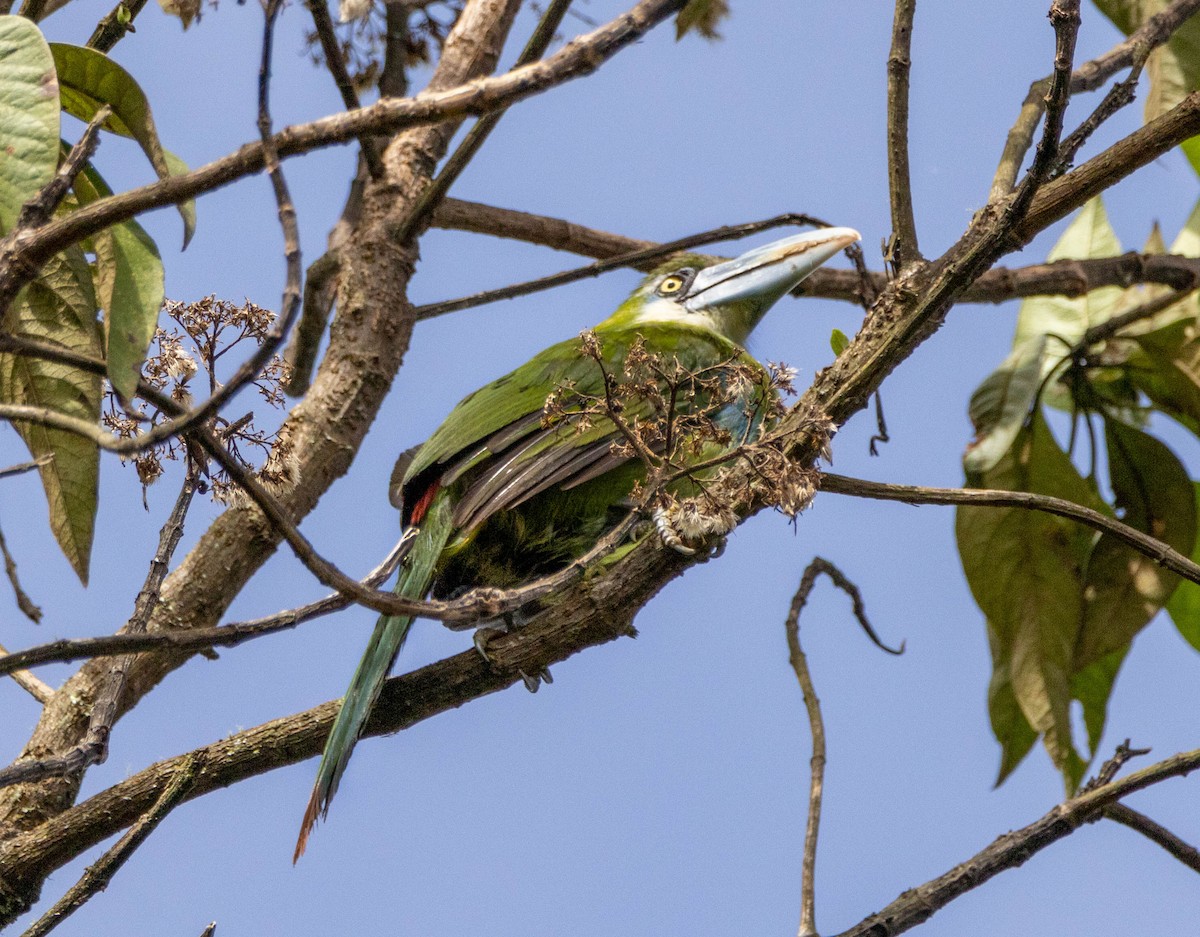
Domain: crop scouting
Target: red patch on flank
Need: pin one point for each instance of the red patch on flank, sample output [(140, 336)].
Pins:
[(423, 503)]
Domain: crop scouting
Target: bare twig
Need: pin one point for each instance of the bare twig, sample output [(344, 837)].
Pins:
[(638, 258), (808, 914), (1000, 284), (27, 606), (116, 23), (1064, 17), (904, 226), (336, 63), (1012, 849), (199, 638), (1112, 327), (39, 209), (20, 256), (97, 876), (1089, 76), (93, 749), (1158, 551), (1066, 193), (22, 467), (1156, 833), (30, 682)]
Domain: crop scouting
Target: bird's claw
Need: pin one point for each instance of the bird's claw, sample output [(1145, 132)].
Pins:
[(532, 681), (688, 520)]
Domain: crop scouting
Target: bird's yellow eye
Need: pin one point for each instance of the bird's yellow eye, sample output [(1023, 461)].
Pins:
[(672, 284)]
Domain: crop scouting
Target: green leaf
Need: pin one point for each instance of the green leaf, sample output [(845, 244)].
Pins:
[(1184, 604), (129, 280), (60, 307), (1012, 730), (838, 341), (88, 80), (1124, 589), (1001, 404), (29, 114), (703, 16), (1025, 570), (1092, 686), (1166, 367)]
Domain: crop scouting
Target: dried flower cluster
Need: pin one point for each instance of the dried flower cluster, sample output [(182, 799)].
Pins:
[(684, 424), (203, 333)]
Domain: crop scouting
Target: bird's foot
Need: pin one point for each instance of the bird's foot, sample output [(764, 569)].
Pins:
[(692, 520), (481, 638)]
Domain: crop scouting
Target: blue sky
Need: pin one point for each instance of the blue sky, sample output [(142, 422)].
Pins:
[(659, 785)]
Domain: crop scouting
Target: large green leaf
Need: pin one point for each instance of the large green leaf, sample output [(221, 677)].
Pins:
[(1125, 589), (1025, 570), (89, 80), (29, 114), (60, 307), (129, 281), (1165, 366), (1001, 404)]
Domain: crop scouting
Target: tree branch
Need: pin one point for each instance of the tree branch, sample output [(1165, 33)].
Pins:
[(904, 227), (1139, 822), (1011, 850), (1143, 543), (1089, 76), (24, 252)]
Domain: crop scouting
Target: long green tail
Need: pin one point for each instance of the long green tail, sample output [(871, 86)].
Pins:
[(414, 580)]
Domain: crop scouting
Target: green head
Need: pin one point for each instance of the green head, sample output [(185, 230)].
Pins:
[(729, 297)]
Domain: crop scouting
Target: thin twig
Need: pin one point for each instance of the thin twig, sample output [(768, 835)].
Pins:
[(1087, 77), (1117, 97), (1183, 851), (1000, 284), (1064, 17), (97, 876), (30, 682), (534, 49), (93, 749), (39, 209), (1112, 327), (27, 606), (336, 63), (20, 257), (22, 467), (812, 705), (198, 638), (899, 62), (116, 23), (636, 258), (1011, 850), (1143, 543)]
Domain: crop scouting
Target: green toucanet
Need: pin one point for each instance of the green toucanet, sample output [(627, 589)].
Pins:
[(503, 492)]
